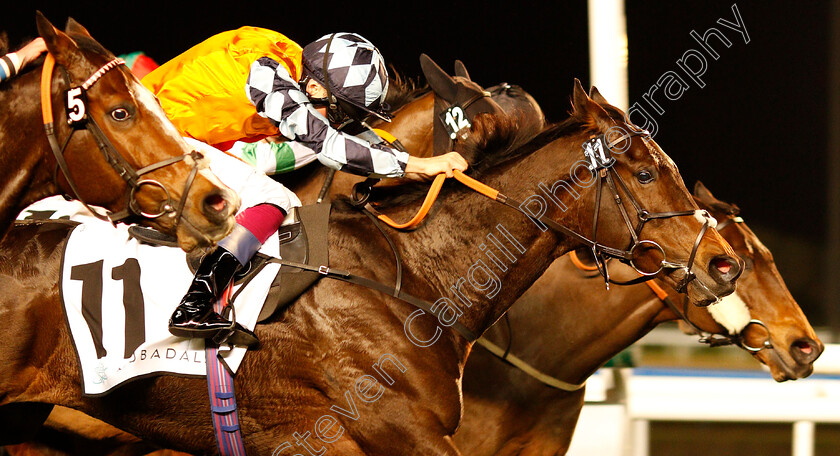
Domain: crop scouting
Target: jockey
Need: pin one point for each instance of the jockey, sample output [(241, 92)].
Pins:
[(252, 83), (11, 63)]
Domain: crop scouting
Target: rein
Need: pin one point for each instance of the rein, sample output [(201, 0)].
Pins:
[(77, 117)]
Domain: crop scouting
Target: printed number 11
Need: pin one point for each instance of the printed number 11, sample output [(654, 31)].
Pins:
[(135, 321)]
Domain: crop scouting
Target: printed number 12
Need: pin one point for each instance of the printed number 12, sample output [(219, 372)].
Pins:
[(457, 120)]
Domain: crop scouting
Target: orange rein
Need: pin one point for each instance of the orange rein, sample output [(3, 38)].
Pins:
[(437, 184), (46, 91)]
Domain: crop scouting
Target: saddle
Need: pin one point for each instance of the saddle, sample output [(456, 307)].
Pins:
[(303, 239)]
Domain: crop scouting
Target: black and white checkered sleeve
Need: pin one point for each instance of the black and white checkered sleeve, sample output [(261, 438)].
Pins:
[(278, 98)]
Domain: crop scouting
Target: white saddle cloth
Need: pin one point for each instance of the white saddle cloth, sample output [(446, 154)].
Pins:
[(118, 295)]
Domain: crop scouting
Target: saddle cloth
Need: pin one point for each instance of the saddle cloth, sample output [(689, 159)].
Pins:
[(118, 295)]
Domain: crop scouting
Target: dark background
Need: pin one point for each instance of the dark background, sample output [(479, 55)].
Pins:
[(756, 135)]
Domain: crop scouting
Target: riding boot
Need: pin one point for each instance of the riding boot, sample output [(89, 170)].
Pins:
[(195, 317)]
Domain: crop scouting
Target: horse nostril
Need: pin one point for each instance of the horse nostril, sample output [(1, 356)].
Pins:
[(803, 346), (722, 265), (805, 350), (215, 203), (725, 268)]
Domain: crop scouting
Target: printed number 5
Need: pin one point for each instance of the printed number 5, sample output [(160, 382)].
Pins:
[(75, 104)]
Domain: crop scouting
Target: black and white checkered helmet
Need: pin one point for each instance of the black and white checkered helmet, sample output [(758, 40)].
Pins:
[(355, 68)]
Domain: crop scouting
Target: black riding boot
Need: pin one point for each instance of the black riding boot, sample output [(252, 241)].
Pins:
[(195, 316)]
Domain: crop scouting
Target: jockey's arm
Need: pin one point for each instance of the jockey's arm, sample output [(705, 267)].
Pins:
[(277, 97), (11, 63)]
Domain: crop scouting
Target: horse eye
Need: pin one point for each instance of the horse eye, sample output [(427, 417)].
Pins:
[(120, 114), (644, 177)]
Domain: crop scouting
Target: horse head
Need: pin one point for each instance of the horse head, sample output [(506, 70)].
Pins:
[(661, 227), (127, 156), (458, 100), (761, 315)]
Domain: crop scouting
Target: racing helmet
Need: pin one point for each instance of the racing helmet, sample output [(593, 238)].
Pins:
[(352, 70)]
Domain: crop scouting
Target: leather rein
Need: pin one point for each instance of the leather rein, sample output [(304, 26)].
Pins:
[(78, 118)]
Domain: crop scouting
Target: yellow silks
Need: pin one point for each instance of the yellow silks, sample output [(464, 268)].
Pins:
[(203, 90)]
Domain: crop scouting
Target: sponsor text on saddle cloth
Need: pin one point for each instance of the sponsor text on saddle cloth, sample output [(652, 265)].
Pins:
[(118, 295)]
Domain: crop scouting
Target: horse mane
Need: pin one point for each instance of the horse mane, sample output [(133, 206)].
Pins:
[(494, 140), (403, 90), (4, 43)]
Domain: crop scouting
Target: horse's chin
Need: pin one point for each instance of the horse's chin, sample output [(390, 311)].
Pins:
[(191, 238), (699, 296), (783, 369)]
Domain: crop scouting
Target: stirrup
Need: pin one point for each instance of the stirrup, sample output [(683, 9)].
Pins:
[(235, 334)]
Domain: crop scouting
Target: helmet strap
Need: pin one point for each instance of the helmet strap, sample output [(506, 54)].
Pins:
[(333, 107)]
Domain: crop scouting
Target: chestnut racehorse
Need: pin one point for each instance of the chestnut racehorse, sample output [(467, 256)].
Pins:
[(317, 353), (123, 155), (568, 325)]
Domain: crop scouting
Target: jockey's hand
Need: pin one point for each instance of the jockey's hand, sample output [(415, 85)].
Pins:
[(427, 168), (31, 51)]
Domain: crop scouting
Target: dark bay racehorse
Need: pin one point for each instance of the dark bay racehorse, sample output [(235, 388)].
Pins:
[(365, 372), (567, 325), (123, 120), (414, 126)]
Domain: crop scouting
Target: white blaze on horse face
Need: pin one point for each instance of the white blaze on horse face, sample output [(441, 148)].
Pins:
[(731, 312)]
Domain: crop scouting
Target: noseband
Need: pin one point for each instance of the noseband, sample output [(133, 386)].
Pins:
[(717, 340), (78, 118)]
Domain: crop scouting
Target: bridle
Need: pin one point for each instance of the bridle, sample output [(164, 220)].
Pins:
[(452, 122), (598, 152), (78, 118), (718, 340), (705, 337)]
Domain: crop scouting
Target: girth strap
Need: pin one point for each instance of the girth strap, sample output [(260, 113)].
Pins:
[(345, 276)]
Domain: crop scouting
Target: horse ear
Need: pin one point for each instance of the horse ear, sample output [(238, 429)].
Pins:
[(440, 82), (61, 46), (588, 111), (705, 198), (597, 97), (74, 28), (461, 70), (703, 193)]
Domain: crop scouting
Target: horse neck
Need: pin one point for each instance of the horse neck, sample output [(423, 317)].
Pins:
[(413, 126), (482, 262), (579, 323), (24, 148)]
